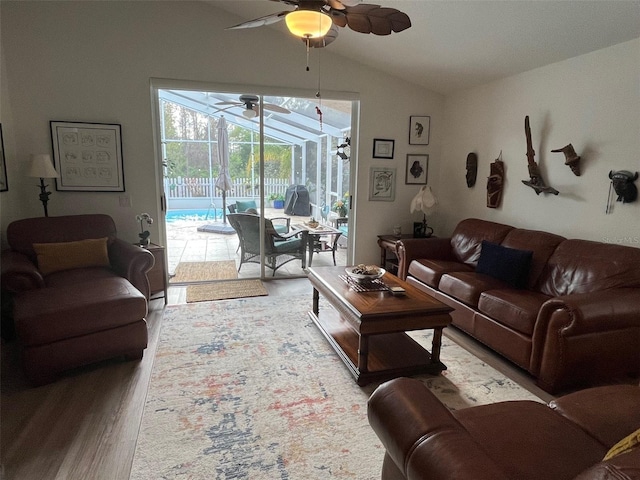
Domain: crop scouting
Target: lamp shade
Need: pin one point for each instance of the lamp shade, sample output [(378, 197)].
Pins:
[(42, 166), (308, 23), (424, 200)]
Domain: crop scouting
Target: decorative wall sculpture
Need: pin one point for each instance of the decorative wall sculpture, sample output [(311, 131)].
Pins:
[(571, 158), (536, 181), (495, 182), (472, 169)]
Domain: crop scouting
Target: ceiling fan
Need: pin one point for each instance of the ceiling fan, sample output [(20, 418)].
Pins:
[(251, 104), (312, 20)]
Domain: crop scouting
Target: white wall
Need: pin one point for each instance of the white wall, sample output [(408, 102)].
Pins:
[(591, 101), (93, 61)]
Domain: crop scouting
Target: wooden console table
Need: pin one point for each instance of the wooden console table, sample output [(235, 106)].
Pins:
[(158, 274)]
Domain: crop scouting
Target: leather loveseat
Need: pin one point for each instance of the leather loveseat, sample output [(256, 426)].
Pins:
[(79, 292), (569, 315), (514, 440)]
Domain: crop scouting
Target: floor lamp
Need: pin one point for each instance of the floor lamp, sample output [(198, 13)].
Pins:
[(42, 167)]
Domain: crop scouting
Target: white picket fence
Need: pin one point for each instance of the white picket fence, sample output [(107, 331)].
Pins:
[(191, 187)]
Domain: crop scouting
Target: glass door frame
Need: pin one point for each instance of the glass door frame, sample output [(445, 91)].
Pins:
[(157, 84)]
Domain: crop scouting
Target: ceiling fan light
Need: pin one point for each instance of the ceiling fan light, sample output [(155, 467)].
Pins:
[(308, 23), (249, 113)]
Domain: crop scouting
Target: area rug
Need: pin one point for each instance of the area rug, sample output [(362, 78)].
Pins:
[(250, 389), (203, 271), (225, 290)]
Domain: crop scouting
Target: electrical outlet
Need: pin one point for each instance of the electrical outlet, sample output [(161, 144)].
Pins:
[(125, 201)]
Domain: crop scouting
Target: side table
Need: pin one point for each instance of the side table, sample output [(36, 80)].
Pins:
[(158, 274), (388, 252)]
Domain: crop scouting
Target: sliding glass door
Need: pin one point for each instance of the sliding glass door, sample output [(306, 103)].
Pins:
[(285, 158)]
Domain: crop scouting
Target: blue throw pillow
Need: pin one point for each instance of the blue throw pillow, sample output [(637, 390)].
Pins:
[(507, 264)]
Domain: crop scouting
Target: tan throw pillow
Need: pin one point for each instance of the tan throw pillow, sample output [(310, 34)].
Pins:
[(55, 257), (627, 444)]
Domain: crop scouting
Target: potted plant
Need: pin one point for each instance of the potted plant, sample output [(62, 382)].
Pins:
[(277, 200), (144, 234)]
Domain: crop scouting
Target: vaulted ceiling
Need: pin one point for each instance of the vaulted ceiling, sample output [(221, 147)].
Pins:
[(458, 44)]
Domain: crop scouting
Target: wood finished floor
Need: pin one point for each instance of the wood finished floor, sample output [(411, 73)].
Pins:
[(85, 425)]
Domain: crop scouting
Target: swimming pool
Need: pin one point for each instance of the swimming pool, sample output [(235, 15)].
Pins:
[(193, 214)]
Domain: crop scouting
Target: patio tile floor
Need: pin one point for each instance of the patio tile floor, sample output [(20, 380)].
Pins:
[(186, 244)]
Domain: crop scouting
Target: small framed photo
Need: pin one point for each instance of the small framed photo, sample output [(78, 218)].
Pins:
[(382, 184), (419, 130), (88, 156), (383, 148), (417, 169), (4, 184)]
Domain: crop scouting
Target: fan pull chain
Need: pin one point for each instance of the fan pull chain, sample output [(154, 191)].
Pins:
[(319, 95), (307, 41)]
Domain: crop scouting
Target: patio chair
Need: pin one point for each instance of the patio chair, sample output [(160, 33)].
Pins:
[(279, 248)]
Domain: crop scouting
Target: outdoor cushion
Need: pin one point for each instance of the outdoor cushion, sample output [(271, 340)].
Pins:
[(244, 206)]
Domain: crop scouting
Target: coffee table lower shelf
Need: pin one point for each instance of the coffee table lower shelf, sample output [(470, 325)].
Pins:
[(378, 357)]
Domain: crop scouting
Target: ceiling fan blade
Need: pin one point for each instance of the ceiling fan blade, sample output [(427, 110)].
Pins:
[(260, 22), (336, 4), (367, 18), (339, 18), (350, 3), (275, 108)]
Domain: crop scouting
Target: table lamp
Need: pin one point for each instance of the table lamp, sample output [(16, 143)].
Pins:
[(423, 202), (42, 167)]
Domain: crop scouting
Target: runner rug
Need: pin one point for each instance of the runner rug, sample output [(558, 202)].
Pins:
[(225, 290), (204, 271), (250, 389)]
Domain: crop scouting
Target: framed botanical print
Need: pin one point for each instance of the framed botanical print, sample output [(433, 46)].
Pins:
[(383, 148), (417, 169), (382, 184), (4, 184), (88, 156), (419, 130)]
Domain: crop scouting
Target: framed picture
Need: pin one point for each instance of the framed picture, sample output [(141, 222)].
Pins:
[(4, 184), (417, 169), (382, 184), (383, 148), (419, 130), (87, 156)]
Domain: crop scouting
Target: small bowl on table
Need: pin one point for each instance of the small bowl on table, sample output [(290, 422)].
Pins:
[(375, 274)]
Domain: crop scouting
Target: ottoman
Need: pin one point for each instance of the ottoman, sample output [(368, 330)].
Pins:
[(60, 328)]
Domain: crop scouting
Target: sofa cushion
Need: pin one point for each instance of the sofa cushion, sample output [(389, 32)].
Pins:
[(507, 264), (67, 278), (520, 435), (517, 309), (467, 286), (466, 240), (54, 257), (50, 314), (622, 467), (542, 244), (431, 271)]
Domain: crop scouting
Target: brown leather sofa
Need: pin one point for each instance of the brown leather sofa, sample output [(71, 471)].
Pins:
[(575, 319), (72, 309), (515, 440)]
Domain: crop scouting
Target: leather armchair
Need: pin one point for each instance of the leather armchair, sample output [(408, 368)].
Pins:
[(19, 268), (516, 440)]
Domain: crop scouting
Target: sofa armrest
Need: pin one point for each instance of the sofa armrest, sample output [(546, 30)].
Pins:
[(132, 262), (410, 249), (581, 332), (422, 437), (19, 273)]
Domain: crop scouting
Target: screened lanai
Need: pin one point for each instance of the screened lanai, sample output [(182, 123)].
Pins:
[(302, 147)]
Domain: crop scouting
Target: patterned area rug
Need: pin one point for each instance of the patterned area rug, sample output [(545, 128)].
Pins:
[(249, 389), (225, 290), (203, 271)]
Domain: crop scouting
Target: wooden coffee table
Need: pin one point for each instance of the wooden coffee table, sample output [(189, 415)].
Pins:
[(367, 329)]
